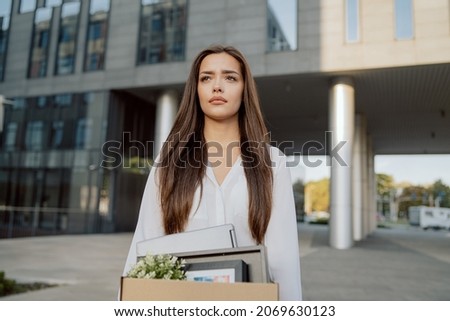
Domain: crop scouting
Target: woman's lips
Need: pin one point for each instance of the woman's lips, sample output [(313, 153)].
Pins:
[(217, 100)]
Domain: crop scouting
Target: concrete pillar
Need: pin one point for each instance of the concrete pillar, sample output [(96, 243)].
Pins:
[(2, 112), (364, 181), (52, 58), (81, 41), (341, 123), (372, 188), (357, 169), (166, 111)]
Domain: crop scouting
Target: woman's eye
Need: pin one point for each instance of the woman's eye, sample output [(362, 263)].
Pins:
[(205, 78), (231, 78)]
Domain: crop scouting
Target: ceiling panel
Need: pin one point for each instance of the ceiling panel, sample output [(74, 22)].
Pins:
[(407, 109)]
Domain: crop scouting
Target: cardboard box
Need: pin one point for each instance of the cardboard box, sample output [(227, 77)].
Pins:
[(171, 290)]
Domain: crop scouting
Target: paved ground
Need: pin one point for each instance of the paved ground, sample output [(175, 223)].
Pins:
[(391, 264)]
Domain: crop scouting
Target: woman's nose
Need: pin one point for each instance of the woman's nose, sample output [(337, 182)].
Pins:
[(217, 88)]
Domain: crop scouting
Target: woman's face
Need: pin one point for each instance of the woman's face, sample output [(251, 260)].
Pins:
[(220, 87)]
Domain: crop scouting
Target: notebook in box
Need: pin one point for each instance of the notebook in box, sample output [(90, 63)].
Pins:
[(212, 238)]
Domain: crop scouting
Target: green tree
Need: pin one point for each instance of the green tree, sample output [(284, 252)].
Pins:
[(413, 195), (385, 190), (441, 191), (299, 198), (318, 193), (385, 183), (416, 195)]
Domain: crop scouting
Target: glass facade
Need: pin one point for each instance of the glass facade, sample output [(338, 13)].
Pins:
[(50, 178), (96, 36), (404, 22), (5, 18), (34, 135), (67, 40), (352, 21), (10, 136), (282, 21), (27, 6), (56, 134), (162, 34), (40, 43), (64, 121), (53, 3)]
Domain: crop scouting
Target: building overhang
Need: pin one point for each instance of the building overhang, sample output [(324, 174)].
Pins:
[(407, 108)]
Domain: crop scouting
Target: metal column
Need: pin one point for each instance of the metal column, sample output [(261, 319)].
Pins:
[(166, 111), (342, 123)]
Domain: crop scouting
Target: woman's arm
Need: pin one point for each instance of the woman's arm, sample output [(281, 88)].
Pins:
[(149, 223), (281, 237)]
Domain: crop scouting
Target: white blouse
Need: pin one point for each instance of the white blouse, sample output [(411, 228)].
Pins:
[(228, 204)]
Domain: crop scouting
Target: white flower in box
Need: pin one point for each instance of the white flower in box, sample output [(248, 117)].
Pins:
[(162, 266)]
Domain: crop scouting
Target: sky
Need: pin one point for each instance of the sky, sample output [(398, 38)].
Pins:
[(415, 169)]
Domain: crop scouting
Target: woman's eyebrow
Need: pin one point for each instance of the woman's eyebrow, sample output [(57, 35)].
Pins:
[(229, 72), (226, 71)]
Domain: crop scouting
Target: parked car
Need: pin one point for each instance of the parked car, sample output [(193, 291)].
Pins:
[(317, 217)]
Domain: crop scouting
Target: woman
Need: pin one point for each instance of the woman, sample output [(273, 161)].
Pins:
[(217, 167)]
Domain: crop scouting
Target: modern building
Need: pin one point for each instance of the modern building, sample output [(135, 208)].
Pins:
[(91, 87)]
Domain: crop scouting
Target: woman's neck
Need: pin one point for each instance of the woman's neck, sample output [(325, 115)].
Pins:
[(223, 133), (223, 142)]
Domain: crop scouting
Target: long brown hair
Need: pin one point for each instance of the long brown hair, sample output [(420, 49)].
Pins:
[(184, 155)]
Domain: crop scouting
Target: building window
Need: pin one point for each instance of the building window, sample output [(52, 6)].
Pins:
[(34, 135), (41, 102), (162, 34), (19, 103), (83, 133), (63, 100), (68, 30), (5, 18), (352, 20), (27, 6), (10, 136), (404, 29), (94, 58), (281, 25), (56, 134), (40, 43), (53, 3)]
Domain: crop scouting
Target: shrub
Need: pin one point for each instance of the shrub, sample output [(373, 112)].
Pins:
[(6, 286)]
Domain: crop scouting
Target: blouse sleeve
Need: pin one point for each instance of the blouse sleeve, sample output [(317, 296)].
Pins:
[(281, 238), (149, 223)]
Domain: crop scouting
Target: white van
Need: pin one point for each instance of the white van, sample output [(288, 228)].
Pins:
[(429, 217)]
